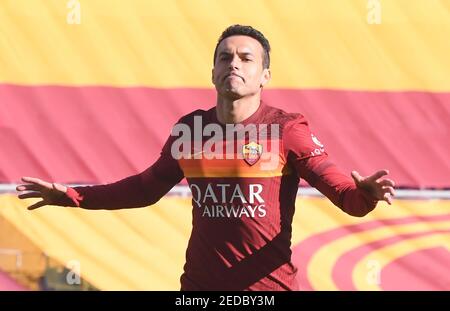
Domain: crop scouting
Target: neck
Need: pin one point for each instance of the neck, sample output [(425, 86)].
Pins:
[(236, 110)]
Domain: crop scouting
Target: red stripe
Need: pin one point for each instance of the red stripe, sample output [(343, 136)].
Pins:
[(426, 269), (98, 134), (9, 284)]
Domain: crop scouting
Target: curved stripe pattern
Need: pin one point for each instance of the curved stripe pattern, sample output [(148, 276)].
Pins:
[(144, 249), (330, 241)]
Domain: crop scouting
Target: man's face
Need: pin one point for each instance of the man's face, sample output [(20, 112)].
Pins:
[(238, 70)]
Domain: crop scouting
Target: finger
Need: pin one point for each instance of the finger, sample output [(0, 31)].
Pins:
[(37, 205), (387, 182), (377, 175), (28, 187), (356, 177), (30, 195), (389, 190), (59, 187), (37, 181), (387, 197)]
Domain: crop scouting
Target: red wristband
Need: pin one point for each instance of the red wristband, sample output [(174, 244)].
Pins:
[(74, 196)]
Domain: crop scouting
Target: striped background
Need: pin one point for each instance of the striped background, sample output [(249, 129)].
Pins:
[(94, 102), (129, 70)]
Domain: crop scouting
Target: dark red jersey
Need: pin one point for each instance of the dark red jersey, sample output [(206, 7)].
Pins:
[(244, 180)]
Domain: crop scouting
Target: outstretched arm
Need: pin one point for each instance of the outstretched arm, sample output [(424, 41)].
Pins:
[(138, 190), (307, 155), (356, 197)]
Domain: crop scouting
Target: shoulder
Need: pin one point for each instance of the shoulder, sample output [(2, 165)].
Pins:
[(295, 132), (189, 118), (284, 119)]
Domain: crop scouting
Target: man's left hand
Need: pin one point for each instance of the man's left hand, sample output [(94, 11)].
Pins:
[(381, 189)]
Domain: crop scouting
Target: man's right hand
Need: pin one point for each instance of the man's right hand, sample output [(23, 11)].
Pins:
[(48, 192)]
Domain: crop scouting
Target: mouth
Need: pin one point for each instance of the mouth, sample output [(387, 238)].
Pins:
[(233, 75)]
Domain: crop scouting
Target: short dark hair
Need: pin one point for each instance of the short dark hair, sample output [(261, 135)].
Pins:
[(241, 30)]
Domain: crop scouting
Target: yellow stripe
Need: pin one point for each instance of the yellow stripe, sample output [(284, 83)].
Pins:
[(316, 43), (116, 250), (219, 173)]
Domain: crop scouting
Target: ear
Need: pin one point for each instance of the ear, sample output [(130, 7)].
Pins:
[(265, 77), (212, 76)]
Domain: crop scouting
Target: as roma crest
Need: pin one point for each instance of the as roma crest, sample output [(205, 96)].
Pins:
[(252, 152)]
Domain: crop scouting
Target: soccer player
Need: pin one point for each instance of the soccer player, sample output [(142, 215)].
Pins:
[(243, 160)]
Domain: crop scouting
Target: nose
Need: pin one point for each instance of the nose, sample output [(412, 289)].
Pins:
[(235, 63)]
